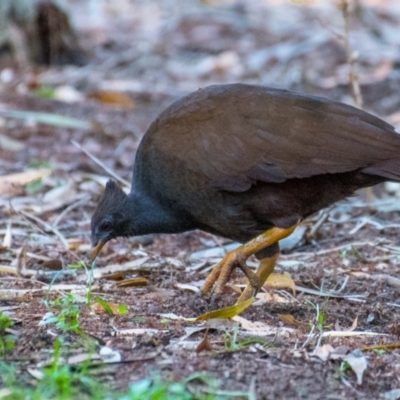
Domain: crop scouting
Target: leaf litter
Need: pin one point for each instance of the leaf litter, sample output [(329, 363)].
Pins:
[(347, 264)]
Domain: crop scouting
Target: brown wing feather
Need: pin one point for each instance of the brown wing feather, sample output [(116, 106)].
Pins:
[(238, 134)]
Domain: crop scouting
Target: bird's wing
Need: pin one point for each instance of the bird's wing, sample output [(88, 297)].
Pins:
[(238, 134)]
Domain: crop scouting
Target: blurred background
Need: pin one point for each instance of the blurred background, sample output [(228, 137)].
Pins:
[(176, 46)]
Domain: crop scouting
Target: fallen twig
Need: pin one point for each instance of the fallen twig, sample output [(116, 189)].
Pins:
[(99, 163)]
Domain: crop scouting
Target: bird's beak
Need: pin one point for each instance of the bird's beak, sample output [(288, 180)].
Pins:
[(96, 250)]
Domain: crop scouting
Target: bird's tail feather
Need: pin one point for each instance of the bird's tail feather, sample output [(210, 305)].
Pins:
[(389, 169)]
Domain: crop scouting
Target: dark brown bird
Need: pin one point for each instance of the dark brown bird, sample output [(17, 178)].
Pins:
[(247, 163)]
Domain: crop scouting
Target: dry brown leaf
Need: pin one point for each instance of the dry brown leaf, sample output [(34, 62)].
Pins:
[(323, 352), (227, 312), (10, 184), (54, 265), (116, 276), (250, 325), (327, 352), (268, 297), (77, 245), (139, 281), (290, 320), (99, 309), (205, 344), (352, 327), (113, 98), (21, 264), (358, 274), (387, 346), (159, 295), (281, 281)]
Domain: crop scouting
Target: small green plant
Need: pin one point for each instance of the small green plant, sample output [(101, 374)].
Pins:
[(67, 318), (105, 306), (352, 251), (152, 389), (379, 351), (111, 310), (139, 319), (231, 340), (34, 186), (248, 342), (159, 389), (45, 92), (343, 369), (77, 265), (320, 317), (90, 283), (122, 309), (7, 340), (165, 323), (39, 164), (61, 382), (356, 253), (58, 381)]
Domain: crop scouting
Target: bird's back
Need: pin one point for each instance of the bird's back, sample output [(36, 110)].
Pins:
[(215, 147)]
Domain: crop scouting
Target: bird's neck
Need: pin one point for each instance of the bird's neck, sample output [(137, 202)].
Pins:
[(149, 216)]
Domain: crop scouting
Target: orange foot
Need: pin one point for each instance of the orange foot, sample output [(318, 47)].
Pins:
[(219, 276)]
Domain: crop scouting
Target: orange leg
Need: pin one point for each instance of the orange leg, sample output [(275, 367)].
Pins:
[(220, 275), (264, 270)]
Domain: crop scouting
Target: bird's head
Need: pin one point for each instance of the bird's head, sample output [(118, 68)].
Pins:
[(110, 218)]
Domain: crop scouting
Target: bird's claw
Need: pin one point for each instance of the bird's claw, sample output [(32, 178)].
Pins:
[(219, 276)]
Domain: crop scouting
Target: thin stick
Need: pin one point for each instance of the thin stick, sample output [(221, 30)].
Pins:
[(69, 208), (46, 226), (50, 228), (99, 163), (351, 57), (8, 278)]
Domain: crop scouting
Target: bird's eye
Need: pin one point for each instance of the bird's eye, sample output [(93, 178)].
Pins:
[(106, 226)]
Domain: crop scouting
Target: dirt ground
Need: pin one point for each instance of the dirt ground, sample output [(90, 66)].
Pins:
[(346, 271)]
